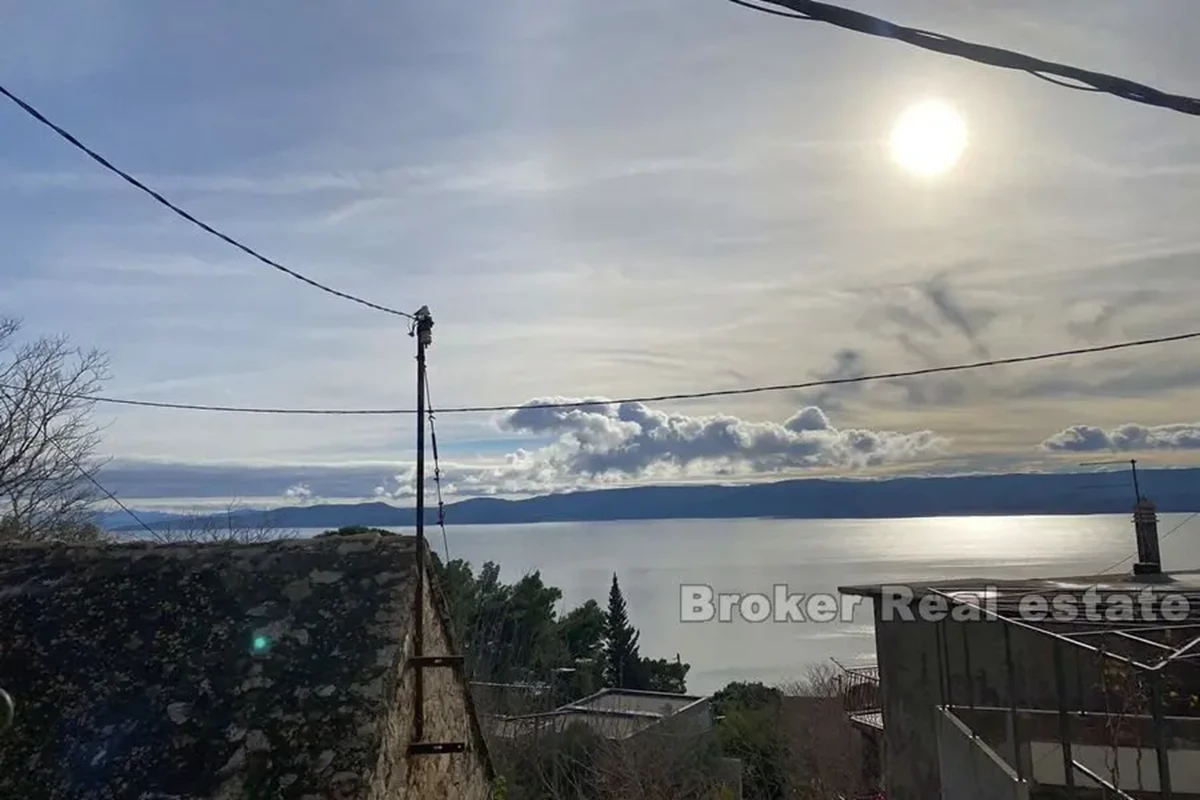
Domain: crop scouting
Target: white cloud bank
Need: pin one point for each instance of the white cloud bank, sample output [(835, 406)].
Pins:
[(299, 494), (1125, 438), (631, 442)]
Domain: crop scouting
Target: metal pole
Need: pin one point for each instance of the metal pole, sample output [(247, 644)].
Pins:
[(967, 667), (1136, 489), (424, 330), (1014, 726), (940, 643), (1064, 725), (1160, 737), (946, 667)]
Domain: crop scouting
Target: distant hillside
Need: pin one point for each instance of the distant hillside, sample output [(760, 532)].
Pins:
[(116, 520), (1174, 490)]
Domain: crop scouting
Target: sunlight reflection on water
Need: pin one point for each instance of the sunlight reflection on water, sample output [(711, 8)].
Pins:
[(654, 558)]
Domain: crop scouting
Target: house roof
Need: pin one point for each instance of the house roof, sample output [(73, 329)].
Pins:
[(1149, 621), (609, 724), (191, 670), (612, 713), (1182, 582), (658, 704)]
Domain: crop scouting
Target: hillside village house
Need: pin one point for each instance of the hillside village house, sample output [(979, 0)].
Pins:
[(188, 671)]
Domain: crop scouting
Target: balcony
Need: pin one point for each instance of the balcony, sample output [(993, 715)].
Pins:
[(859, 690)]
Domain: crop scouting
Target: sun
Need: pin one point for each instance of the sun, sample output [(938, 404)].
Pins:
[(928, 138)]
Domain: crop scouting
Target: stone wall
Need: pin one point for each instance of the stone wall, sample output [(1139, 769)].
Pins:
[(200, 671), (448, 718)]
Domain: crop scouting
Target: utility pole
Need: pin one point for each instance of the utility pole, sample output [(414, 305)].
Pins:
[(423, 326), (423, 331)]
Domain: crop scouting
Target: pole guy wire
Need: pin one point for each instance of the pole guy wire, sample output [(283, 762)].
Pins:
[(86, 473), (437, 468), (204, 226)]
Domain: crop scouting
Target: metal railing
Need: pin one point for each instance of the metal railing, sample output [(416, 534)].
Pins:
[(1034, 675), (859, 689)]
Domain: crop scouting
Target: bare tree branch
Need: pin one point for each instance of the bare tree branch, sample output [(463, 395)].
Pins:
[(822, 752), (47, 437), (235, 525)]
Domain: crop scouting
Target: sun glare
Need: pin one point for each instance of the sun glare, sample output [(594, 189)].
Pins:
[(929, 138)]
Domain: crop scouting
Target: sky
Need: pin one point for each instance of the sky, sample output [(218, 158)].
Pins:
[(599, 201)]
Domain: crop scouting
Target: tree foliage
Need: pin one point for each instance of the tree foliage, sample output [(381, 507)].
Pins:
[(794, 742), (661, 675), (749, 721), (513, 633), (508, 633)]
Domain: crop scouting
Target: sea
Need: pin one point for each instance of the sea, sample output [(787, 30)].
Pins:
[(659, 562)]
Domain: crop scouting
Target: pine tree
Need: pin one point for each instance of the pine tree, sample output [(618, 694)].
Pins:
[(622, 662)]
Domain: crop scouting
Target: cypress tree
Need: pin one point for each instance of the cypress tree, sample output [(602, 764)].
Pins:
[(622, 662)]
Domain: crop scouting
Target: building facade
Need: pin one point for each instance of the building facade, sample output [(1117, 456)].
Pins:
[(1071, 687)]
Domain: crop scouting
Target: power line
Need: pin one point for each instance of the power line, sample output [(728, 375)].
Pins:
[(124, 401), (1062, 75), (882, 376), (661, 398), (137, 184), (1165, 536), (774, 11), (92, 478)]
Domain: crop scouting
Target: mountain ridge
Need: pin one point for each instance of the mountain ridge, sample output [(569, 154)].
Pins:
[(1173, 490)]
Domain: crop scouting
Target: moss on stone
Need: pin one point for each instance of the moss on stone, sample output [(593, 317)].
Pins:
[(199, 670)]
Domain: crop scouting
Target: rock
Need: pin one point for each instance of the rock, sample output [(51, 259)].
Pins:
[(179, 712)]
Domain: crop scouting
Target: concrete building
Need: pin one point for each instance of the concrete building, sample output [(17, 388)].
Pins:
[(1073, 687), (188, 671)]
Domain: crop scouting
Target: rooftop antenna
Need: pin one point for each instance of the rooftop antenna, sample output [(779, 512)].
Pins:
[(1137, 491), (1145, 525)]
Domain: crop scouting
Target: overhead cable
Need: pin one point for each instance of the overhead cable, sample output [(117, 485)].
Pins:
[(1063, 75), (204, 226), (763, 389), (1163, 538)]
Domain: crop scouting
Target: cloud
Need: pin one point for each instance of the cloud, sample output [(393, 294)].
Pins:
[(595, 446), (848, 364), (970, 322), (151, 479), (300, 493), (632, 440), (1099, 320), (629, 443), (1125, 438)]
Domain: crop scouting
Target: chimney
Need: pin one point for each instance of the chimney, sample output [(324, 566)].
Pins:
[(1145, 526)]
